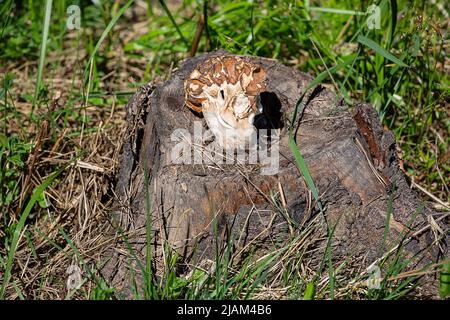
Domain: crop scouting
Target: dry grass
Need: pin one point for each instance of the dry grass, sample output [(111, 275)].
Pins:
[(79, 203), (87, 139)]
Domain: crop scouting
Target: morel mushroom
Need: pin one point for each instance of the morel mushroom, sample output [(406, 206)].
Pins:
[(226, 91)]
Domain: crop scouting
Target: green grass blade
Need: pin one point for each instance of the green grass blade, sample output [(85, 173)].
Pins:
[(90, 272), (53, 243), (301, 164), (163, 4), (260, 274), (444, 280), (108, 28), (293, 146), (310, 291), (5, 11), (141, 267), (71, 245), (16, 288), (18, 291), (331, 275), (20, 225), (337, 11), (388, 220), (252, 31), (378, 49), (48, 13), (393, 21)]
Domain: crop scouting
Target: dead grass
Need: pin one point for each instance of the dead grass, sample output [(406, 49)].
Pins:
[(80, 201)]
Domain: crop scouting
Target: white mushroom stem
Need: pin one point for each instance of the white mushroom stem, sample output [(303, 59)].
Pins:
[(222, 122)]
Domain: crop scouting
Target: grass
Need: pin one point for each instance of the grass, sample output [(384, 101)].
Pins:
[(19, 227), (62, 98)]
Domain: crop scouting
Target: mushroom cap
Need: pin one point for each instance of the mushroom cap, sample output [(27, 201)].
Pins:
[(230, 73), (225, 90)]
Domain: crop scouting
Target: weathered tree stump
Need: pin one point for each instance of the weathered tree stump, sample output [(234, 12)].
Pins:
[(351, 158)]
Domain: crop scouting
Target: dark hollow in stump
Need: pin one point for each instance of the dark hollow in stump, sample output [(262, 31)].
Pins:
[(351, 158)]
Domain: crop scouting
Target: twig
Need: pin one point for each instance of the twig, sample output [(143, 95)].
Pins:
[(197, 36), (442, 203)]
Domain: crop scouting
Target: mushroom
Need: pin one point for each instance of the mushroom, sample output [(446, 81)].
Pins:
[(225, 89)]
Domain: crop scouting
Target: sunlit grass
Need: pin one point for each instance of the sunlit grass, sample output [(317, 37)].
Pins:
[(399, 68)]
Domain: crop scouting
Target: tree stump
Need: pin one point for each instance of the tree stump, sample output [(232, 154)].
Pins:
[(351, 158)]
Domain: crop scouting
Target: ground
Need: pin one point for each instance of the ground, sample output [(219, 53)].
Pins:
[(62, 107)]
